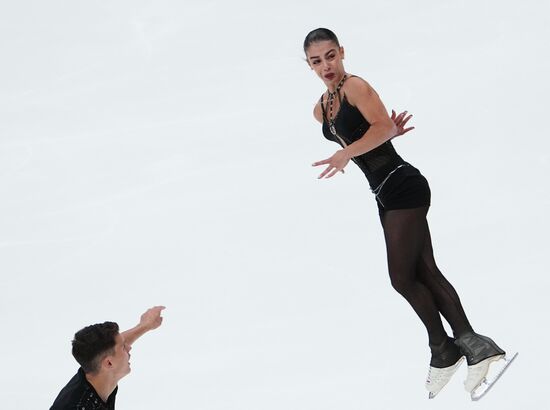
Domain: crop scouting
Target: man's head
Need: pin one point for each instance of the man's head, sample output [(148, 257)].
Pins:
[(101, 347)]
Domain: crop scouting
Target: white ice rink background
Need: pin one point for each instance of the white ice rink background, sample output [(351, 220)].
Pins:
[(158, 152)]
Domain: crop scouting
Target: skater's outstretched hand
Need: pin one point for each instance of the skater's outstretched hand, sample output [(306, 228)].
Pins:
[(150, 320), (400, 121), (335, 164)]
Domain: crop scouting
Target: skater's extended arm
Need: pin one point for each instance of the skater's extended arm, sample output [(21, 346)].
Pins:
[(400, 120), (381, 129), (150, 320)]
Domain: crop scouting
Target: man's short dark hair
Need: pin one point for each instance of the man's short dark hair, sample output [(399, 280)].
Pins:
[(91, 344)]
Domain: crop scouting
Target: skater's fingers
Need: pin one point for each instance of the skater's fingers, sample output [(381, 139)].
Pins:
[(400, 118), (407, 130), (334, 171), (326, 171), (405, 120), (323, 162), (155, 309)]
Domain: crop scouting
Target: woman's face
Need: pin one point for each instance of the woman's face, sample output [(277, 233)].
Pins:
[(326, 59)]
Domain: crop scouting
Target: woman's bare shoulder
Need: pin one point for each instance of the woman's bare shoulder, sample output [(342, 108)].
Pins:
[(356, 82), (356, 87)]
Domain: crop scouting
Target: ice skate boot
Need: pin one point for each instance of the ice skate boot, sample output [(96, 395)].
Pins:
[(446, 359), (480, 352)]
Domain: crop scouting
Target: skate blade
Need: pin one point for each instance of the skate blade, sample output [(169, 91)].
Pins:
[(488, 383)]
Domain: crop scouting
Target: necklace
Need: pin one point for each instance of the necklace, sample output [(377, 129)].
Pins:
[(331, 96)]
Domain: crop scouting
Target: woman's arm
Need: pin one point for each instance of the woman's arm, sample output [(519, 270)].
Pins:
[(382, 128)]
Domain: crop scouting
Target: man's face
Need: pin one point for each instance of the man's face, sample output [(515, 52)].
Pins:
[(120, 359)]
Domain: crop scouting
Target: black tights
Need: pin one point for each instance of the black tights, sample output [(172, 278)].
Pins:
[(415, 275)]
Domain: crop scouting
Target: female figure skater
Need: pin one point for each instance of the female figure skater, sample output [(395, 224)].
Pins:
[(354, 117)]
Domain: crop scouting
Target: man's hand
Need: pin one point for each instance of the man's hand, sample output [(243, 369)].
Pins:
[(152, 319)]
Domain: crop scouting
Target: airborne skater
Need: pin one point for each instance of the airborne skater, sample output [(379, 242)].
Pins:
[(352, 115)]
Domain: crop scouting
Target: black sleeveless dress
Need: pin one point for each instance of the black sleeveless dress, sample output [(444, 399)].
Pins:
[(395, 183)]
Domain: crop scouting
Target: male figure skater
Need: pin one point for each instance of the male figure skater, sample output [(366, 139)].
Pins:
[(104, 357)]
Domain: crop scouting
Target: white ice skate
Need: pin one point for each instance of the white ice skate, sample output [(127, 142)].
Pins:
[(479, 382), (439, 377)]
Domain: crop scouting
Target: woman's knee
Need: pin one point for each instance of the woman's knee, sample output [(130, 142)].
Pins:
[(401, 283), (427, 270)]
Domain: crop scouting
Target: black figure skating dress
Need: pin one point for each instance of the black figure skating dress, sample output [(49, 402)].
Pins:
[(395, 183)]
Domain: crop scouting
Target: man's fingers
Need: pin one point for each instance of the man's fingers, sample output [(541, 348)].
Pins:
[(153, 312)]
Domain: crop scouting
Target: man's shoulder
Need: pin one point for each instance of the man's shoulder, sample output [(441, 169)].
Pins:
[(79, 394), (73, 394)]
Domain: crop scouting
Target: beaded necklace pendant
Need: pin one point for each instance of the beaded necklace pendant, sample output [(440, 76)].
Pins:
[(331, 97)]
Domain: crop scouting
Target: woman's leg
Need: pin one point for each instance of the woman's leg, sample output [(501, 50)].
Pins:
[(406, 234), (444, 294), (405, 231)]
